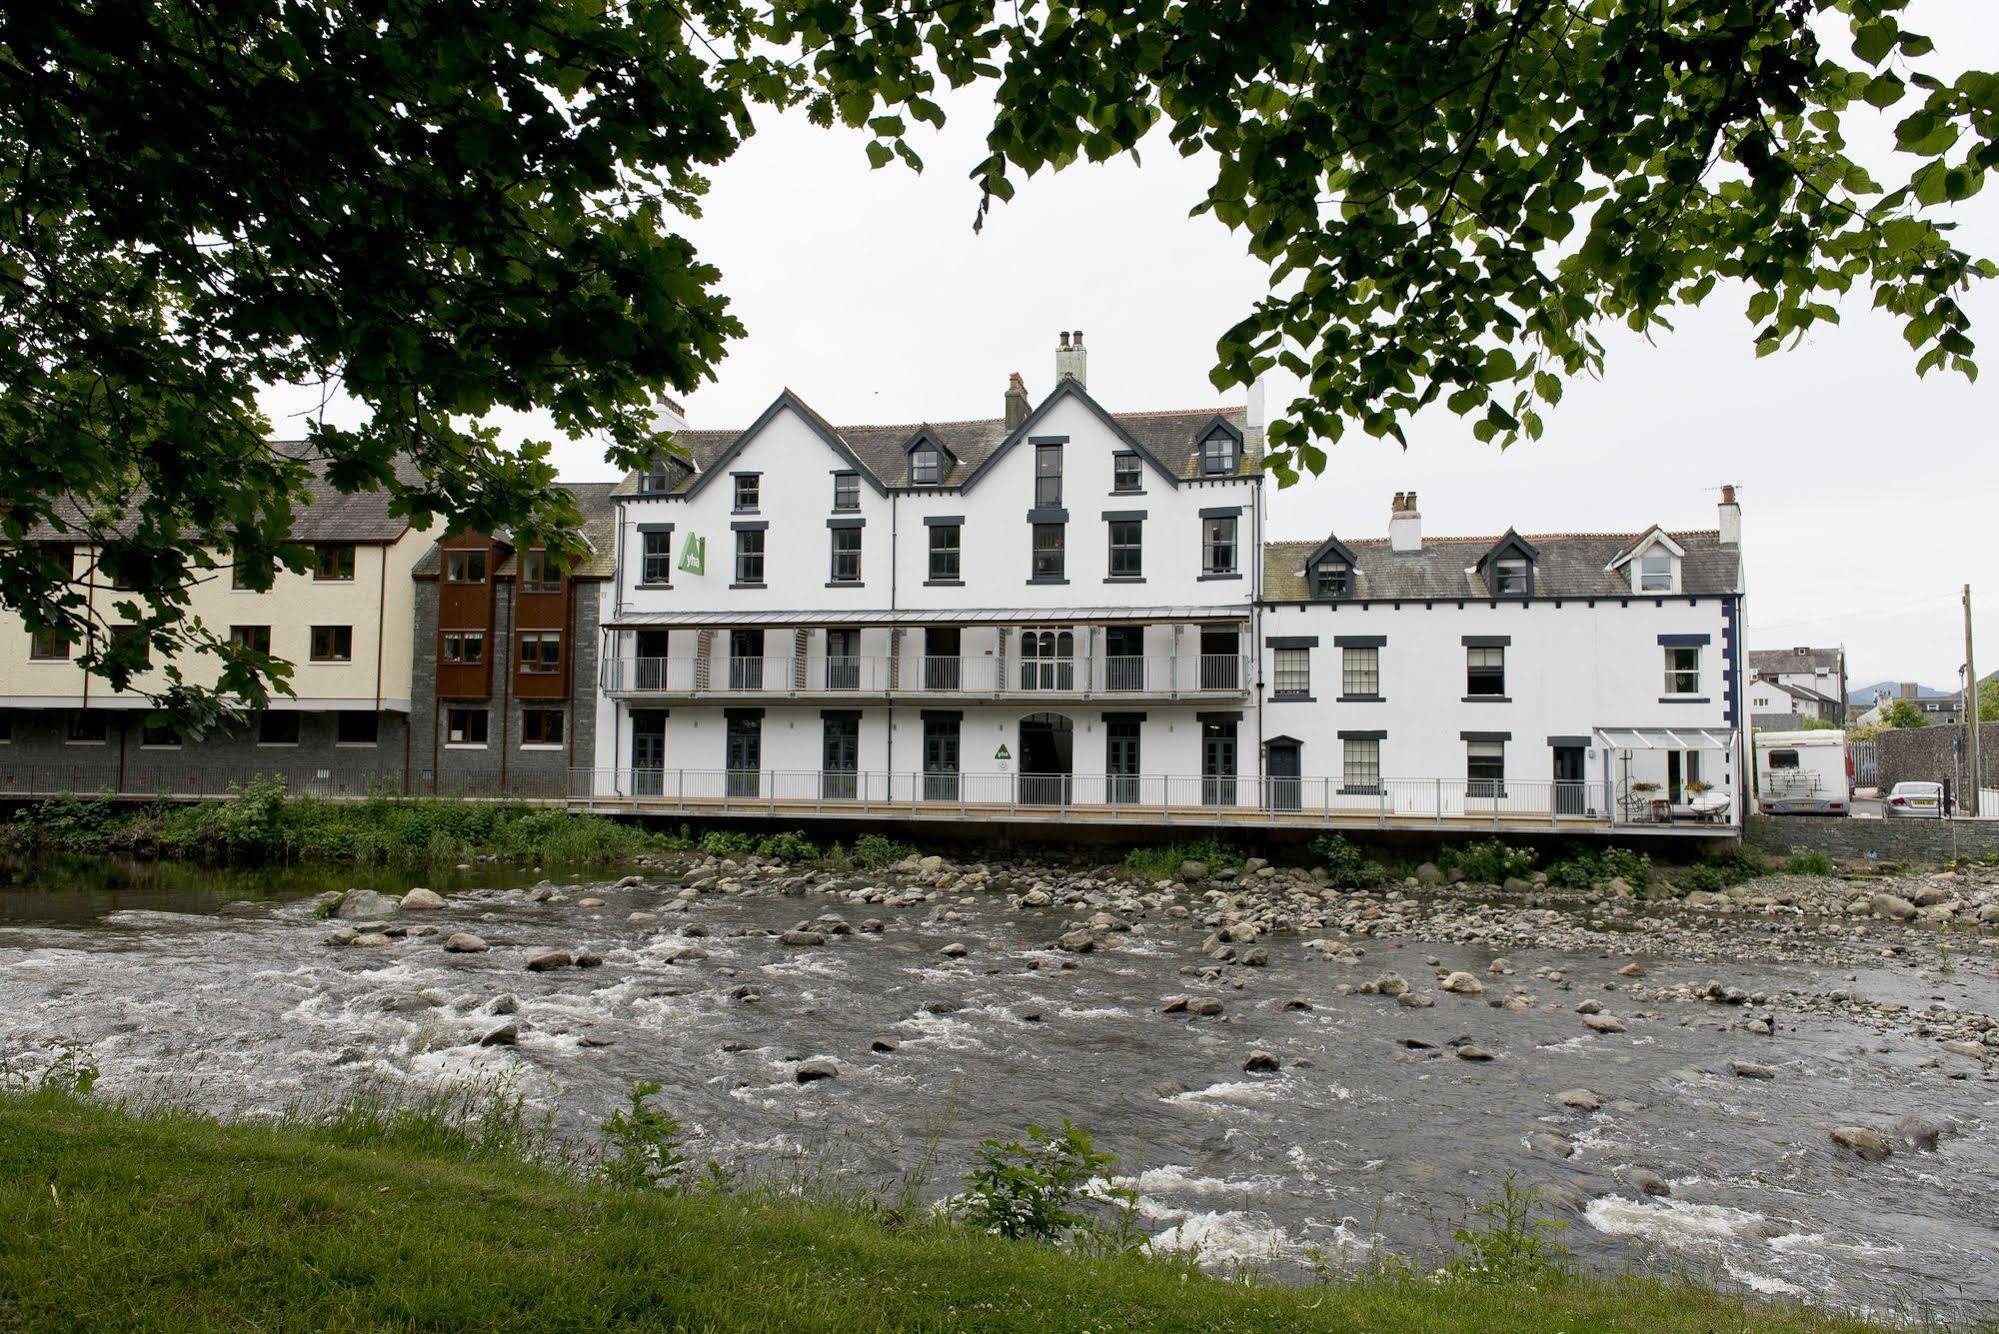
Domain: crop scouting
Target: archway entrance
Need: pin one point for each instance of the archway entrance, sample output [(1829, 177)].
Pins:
[(1047, 757)]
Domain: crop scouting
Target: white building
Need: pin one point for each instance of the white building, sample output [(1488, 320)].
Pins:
[(1811, 681), (1069, 613)]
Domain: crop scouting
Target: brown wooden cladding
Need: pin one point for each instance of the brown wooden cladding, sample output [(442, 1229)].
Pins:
[(465, 607), (540, 610)]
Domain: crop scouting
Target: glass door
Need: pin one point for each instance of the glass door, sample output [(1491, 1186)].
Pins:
[(1218, 764), (940, 759), (840, 758), (648, 752), (1121, 760), (745, 756)]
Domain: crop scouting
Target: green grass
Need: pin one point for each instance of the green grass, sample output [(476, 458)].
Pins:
[(172, 1222)]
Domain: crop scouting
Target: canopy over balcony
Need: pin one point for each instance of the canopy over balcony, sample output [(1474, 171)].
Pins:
[(1667, 738)]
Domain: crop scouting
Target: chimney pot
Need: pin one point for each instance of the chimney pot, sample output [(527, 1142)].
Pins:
[(1065, 338)]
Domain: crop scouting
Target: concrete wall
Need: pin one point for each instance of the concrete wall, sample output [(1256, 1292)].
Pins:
[(1892, 840), (1929, 754)]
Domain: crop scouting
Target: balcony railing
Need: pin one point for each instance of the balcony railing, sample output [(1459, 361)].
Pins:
[(1221, 798), (983, 675)]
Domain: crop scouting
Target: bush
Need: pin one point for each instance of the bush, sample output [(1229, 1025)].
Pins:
[(1348, 866), (787, 847), (1511, 1246), (1808, 861), (641, 1148), (1720, 872), (1489, 862), (1040, 1189), (1163, 863), (1596, 866), (875, 852), (727, 843)]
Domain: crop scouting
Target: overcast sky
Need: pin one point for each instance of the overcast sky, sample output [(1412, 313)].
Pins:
[(1869, 496)]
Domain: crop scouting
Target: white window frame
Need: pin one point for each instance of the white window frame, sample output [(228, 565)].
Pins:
[(1683, 680)]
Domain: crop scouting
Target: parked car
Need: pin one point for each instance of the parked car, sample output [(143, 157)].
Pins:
[(1914, 801)]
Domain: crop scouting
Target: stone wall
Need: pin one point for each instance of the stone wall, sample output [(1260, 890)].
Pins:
[(1928, 754), (38, 758), (1889, 840)]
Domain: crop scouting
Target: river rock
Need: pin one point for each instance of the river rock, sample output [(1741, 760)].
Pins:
[(365, 905), (1079, 941), (1583, 1100), (587, 959), (1175, 1005), (885, 1045), (687, 954), (1463, 984), (1551, 1144), (1193, 870), (1631, 970), (955, 950), (1603, 1023), (1428, 875), (1918, 1133), (422, 900), (506, 1035), (1473, 1052), (1751, 1070), (800, 939), (464, 942), (1294, 1003), (1391, 984), (370, 940), (1893, 907), (1647, 1183), (1261, 1063), (815, 1069), (341, 935), (1862, 1141), (590, 903), (1204, 1005), (549, 960)]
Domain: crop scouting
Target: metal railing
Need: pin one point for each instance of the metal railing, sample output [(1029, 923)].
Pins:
[(1166, 797), (983, 676)]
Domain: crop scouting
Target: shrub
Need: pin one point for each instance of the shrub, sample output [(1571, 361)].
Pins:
[(875, 851), (1346, 864), (1723, 870), (1163, 862), (1808, 861), (787, 847), (727, 843), (1039, 1189), (1595, 866), (1488, 862), (1511, 1246), (641, 1148)]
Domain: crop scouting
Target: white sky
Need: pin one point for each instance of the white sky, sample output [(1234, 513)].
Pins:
[(1869, 496)]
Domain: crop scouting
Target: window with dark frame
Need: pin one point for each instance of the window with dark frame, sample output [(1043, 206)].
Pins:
[(1485, 768), (278, 728), (1510, 576), (656, 557), (541, 652), (1218, 545), (463, 648), (1360, 763), (1047, 476), (1127, 549), (843, 659), (1126, 475), (1683, 669), (87, 727), (1360, 671), (465, 727), (49, 646), (749, 555), (256, 638), (1049, 560), (538, 573), (945, 554), (656, 480), (1485, 670), (846, 490), (1331, 579), (926, 466), (358, 728), (333, 562), (541, 727), (1291, 671), (749, 491), (465, 567), (1218, 454), (846, 555)]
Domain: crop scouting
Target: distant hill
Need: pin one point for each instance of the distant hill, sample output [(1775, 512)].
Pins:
[(1864, 695)]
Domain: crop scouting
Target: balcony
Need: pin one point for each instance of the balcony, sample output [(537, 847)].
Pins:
[(963, 677)]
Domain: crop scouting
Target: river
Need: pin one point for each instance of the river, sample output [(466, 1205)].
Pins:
[(1373, 1136)]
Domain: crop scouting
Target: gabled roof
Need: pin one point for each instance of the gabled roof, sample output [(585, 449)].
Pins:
[(1332, 546), (1570, 565), (1169, 440), (924, 433), (1772, 660), (599, 528), (1512, 541), (1655, 535)]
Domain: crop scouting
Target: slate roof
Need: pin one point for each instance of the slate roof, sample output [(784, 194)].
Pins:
[(329, 515), (1571, 565), (600, 530), (1173, 437), (1770, 661), (1798, 692)]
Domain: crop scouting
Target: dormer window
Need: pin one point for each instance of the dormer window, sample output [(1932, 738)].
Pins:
[(1218, 454), (1510, 577), (657, 481), (926, 466), (1655, 571), (1332, 579)]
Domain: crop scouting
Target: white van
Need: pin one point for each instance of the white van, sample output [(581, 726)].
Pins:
[(1803, 773)]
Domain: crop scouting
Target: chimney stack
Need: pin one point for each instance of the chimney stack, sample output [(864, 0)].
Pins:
[(1730, 518), (1071, 362), (1254, 415), (1016, 401), (1405, 524)]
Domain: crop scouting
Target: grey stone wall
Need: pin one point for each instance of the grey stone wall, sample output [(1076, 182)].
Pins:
[(39, 758), (1927, 754), (501, 767), (1889, 840)]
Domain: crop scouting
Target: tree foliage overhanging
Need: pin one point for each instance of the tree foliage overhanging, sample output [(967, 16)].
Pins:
[(445, 208)]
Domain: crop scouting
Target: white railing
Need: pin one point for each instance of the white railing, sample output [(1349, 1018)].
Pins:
[(1167, 797), (983, 675)]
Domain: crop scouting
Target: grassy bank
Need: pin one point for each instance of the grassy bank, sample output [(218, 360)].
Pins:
[(172, 1222)]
